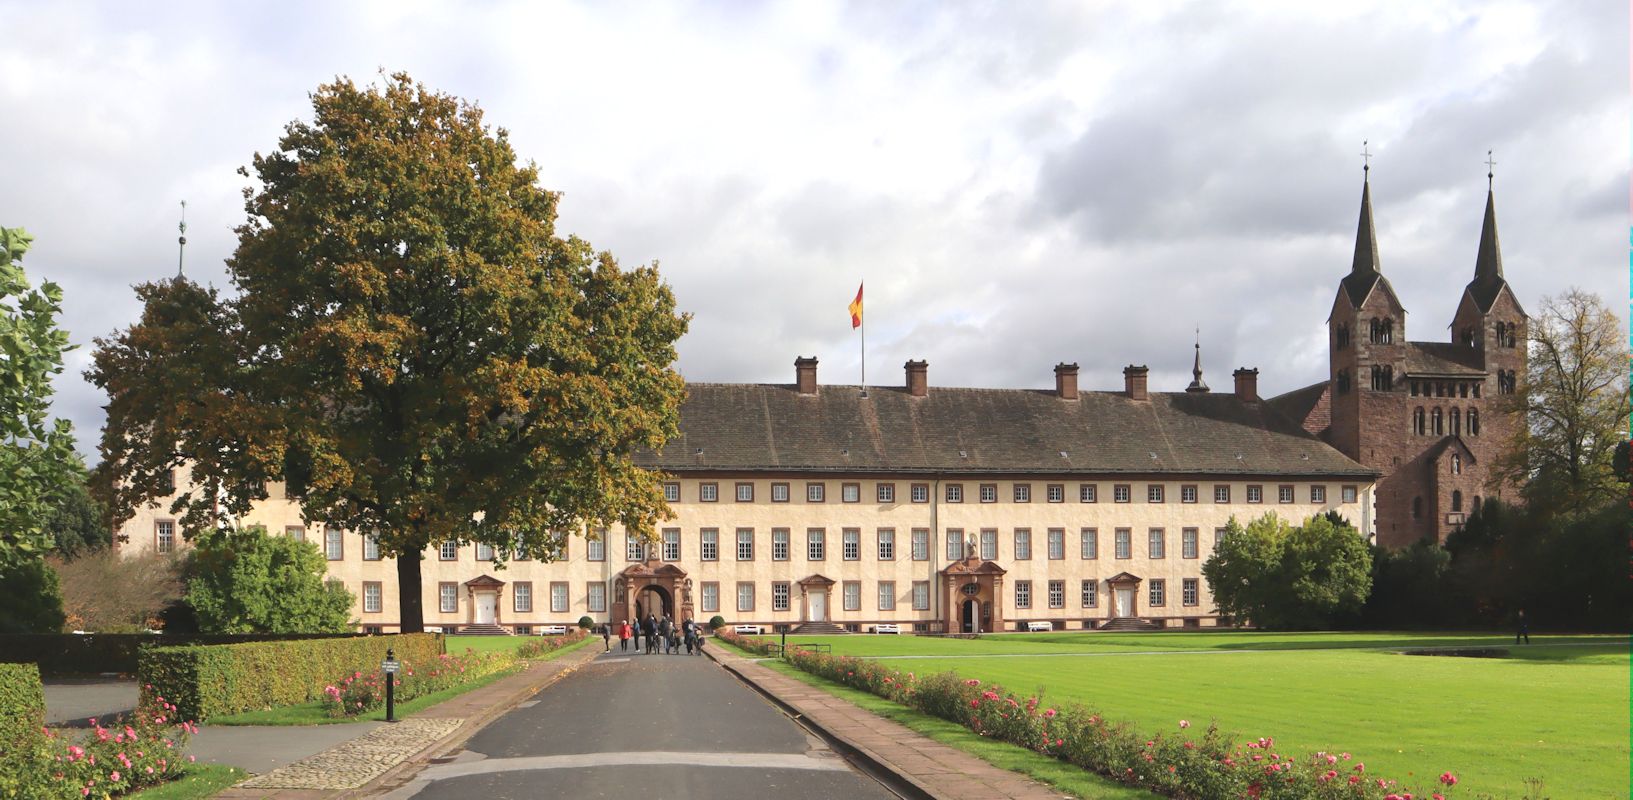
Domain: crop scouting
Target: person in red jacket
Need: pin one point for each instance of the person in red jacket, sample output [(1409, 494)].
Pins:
[(624, 632)]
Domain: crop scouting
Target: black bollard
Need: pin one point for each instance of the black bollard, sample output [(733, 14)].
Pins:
[(391, 685)]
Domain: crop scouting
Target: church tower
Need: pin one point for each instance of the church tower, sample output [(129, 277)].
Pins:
[(1366, 333)]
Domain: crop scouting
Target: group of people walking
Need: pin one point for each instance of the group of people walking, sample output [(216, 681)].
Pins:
[(660, 633)]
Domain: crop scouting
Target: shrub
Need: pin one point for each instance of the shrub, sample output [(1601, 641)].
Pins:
[(364, 691), (82, 654), (30, 599), (717, 622), (209, 680), (22, 704), (538, 646), (148, 583), (584, 623), (248, 582)]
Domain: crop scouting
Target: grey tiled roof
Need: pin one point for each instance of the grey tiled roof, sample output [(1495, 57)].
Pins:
[(1442, 358), (772, 428)]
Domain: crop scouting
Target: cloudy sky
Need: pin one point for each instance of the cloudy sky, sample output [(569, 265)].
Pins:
[(1019, 183)]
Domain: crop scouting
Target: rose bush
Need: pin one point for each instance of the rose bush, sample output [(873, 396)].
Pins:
[(361, 692), (131, 754), (541, 645)]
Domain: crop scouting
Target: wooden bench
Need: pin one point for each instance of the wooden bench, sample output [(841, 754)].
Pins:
[(1040, 626), (886, 627)]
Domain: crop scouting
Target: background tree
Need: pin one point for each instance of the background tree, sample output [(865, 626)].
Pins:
[(30, 600), (412, 350), (105, 592), (1574, 400), (248, 582), (1282, 577), (36, 454), (78, 524)]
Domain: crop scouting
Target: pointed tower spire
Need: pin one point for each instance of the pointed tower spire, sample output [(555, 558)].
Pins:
[(1365, 271), (1196, 368), (181, 241), (1488, 263)]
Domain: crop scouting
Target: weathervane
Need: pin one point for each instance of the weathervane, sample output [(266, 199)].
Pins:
[(1490, 169), (181, 241), (1366, 158)]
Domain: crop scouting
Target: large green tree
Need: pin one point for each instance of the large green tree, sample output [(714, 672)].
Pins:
[(248, 582), (412, 350), (36, 453), (1574, 400), (1283, 577)]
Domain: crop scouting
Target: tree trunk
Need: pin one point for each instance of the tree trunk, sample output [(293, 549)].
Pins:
[(410, 598)]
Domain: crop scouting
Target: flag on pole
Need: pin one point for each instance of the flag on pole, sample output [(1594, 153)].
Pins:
[(856, 308)]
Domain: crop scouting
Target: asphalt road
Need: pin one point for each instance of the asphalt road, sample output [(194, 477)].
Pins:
[(638, 726)]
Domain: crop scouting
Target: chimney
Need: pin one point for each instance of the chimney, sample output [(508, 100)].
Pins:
[(1066, 381), (1247, 384), (1134, 382), (918, 378), (805, 372)]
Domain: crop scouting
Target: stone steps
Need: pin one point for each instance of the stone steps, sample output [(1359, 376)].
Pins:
[(819, 628), (482, 630), (1130, 625)]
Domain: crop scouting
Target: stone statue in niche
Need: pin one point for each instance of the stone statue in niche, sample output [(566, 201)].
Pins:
[(972, 552)]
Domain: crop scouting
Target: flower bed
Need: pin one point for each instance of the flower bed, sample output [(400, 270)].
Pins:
[(756, 645), (1175, 764), (541, 645), (362, 692)]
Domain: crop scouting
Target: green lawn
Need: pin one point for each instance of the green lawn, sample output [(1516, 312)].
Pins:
[(1557, 710), (199, 781), (483, 644)]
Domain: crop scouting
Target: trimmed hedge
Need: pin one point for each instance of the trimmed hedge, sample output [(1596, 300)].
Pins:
[(22, 705), (91, 653), (210, 680)]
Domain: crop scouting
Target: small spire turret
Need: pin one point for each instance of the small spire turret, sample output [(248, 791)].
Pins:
[(1197, 385), (181, 241)]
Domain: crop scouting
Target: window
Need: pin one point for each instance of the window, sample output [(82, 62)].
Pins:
[(1089, 544), (815, 492), (1284, 494), (850, 544), (1457, 502), (1125, 542), (334, 543), (371, 597), (597, 596), (167, 484), (1437, 424), (296, 532), (921, 492), (1347, 494), (1056, 493), (1382, 331), (989, 492), (1474, 422), (1255, 494), (921, 544), (887, 595), (955, 492), (1218, 536), (1383, 377), (989, 544), (448, 551), (779, 596), (1221, 493), (1187, 543), (955, 544), (1120, 493), (164, 536), (1057, 544), (521, 597), (1023, 492), (671, 544), (1153, 493), (1157, 543), (1159, 593), (852, 592), (1023, 594), (484, 552), (711, 597), (745, 597), (1057, 594), (815, 540), (1417, 508), (921, 595), (779, 492), (1456, 418), (1341, 336), (708, 544), (1343, 381), (595, 548), (885, 492), (1086, 493), (1091, 593), (634, 549), (371, 547), (671, 492), (558, 597), (1318, 494), (850, 492), (448, 597), (745, 492), (780, 538), (887, 544), (1023, 544), (745, 544), (1420, 425), (708, 492), (1188, 591)]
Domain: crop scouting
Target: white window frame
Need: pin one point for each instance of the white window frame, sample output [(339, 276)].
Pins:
[(885, 492), (816, 492), (1157, 593), (887, 595), (1089, 593), (164, 536), (955, 544), (955, 493), (671, 544), (371, 547), (708, 492), (745, 544), (1055, 493), (850, 492), (1156, 543), (1057, 544), (850, 540), (1188, 493), (781, 544), (745, 596), (887, 543), (560, 598), (1189, 544), (671, 492), (1124, 543), (1221, 493), (711, 597), (1155, 493), (816, 544), (448, 551), (779, 492), (334, 543), (989, 492), (596, 596), (1057, 594), (1022, 492), (596, 548), (1023, 594), (1023, 544), (1122, 493), (921, 595), (521, 597), (634, 548), (852, 593), (745, 492), (484, 551), (989, 544), (373, 600), (448, 597), (1088, 493), (708, 544), (1088, 544), (1190, 593), (921, 544), (1318, 494), (919, 493), (781, 596)]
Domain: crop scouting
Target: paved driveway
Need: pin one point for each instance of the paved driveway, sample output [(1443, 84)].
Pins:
[(73, 701)]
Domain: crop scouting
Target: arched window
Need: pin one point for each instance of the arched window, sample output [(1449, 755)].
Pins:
[(1417, 508), (1382, 331), (1418, 425), (1457, 464), (1437, 423), (1457, 422), (1457, 502), (1341, 336), (1474, 422)]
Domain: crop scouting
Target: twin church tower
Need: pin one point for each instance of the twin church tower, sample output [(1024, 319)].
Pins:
[(1429, 416)]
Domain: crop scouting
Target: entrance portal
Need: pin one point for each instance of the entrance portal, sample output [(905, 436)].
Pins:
[(486, 604), (654, 600), (972, 616), (819, 604), (1125, 601)]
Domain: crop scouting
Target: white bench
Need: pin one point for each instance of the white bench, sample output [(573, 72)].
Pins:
[(1040, 626), (886, 627), (552, 630), (754, 630)]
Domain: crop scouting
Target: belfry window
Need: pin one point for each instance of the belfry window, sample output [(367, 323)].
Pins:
[(1383, 331), (1383, 377)]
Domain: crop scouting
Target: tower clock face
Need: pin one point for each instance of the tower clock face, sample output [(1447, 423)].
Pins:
[(972, 589)]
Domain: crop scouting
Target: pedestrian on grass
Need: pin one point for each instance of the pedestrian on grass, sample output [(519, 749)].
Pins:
[(623, 635), (1523, 631)]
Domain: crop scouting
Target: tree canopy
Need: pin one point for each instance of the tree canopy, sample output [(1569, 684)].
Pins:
[(248, 582), (412, 349), (1284, 577)]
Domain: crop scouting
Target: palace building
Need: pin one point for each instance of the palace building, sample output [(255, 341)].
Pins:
[(955, 509)]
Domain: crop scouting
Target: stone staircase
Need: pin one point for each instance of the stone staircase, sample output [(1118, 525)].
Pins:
[(486, 629), (819, 629), (1130, 624)]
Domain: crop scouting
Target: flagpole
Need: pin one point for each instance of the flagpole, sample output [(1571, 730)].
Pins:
[(864, 327)]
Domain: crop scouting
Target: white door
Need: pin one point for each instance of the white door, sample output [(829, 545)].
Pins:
[(485, 603), (1125, 602), (819, 604)]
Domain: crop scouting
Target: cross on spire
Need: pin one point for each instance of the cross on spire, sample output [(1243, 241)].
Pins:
[(1490, 165), (181, 241), (1366, 157)]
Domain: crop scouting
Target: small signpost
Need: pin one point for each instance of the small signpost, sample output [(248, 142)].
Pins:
[(390, 667)]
